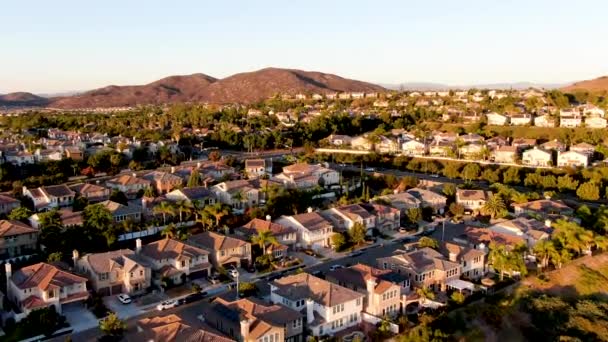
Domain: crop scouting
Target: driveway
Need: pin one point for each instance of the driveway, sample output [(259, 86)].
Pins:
[(79, 317), (306, 259), (124, 311)]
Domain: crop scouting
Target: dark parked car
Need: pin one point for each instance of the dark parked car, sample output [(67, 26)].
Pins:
[(193, 297)]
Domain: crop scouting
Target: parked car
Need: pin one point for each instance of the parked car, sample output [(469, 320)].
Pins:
[(168, 304), (193, 297), (335, 267), (370, 169), (213, 279), (402, 230), (124, 298), (234, 273), (318, 274), (355, 254)]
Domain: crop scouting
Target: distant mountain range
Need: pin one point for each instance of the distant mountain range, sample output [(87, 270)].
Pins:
[(246, 88), (239, 88), (440, 86)]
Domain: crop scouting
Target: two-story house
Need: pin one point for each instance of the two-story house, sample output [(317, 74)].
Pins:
[(163, 182), (536, 157), (286, 236), (387, 217), (49, 197), (429, 199), (402, 201), (472, 200), (121, 212), (472, 261), (197, 194), (313, 230), (7, 204), (224, 251), (251, 320), (572, 159), (544, 208), (176, 260), (328, 307), (414, 148), (303, 176), (120, 271), (346, 216), (171, 328), (239, 194), (382, 293), (497, 119), (130, 185), (17, 239), (505, 154), (255, 168), (43, 285), (425, 267), (92, 192)]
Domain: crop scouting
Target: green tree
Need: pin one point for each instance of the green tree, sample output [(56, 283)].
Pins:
[(217, 211), (545, 250), (425, 293), (470, 172), (490, 175), (194, 179), (98, 219), (165, 209), (511, 176), (112, 326), (264, 238), (494, 206), (20, 214), (457, 297), (54, 257), (449, 189), (456, 209), (414, 215), (169, 232), (119, 197), (426, 241), (588, 191), (566, 182), (338, 241), (183, 207), (451, 170), (357, 233)]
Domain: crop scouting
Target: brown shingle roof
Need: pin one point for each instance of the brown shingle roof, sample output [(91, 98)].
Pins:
[(304, 285), (257, 225), (171, 249), (214, 242), (11, 227), (171, 329), (7, 200)]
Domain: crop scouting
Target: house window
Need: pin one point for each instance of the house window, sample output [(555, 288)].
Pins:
[(141, 272), (51, 294), (358, 301)]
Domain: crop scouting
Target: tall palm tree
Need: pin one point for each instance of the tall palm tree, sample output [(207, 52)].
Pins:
[(601, 242), (499, 259), (205, 219), (545, 250), (169, 231), (197, 206), (218, 211), (494, 206), (164, 209), (183, 207), (263, 238), (425, 294)]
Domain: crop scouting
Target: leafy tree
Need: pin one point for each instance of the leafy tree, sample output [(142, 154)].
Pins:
[(456, 209), (264, 238), (414, 215), (98, 220), (494, 206), (588, 191), (357, 233), (247, 289), (425, 293), (169, 232), (457, 297), (451, 170), (490, 176), (194, 179), (470, 171), (20, 214), (215, 156), (55, 257), (49, 219), (196, 288), (338, 241), (426, 241), (119, 197), (112, 326), (449, 189), (183, 207), (566, 182), (545, 250), (217, 211), (511, 176)]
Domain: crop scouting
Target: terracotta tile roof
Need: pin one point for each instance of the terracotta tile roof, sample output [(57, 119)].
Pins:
[(12, 227), (7, 200), (196, 193), (277, 315), (461, 252), (43, 276), (304, 285), (171, 249), (255, 163), (171, 329), (162, 177), (354, 211), (71, 218), (113, 260), (544, 205), (486, 236), (215, 242), (359, 274), (85, 188), (128, 180), (33, 302), (256, 225)]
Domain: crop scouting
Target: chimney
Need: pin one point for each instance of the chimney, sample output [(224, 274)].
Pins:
[(245, 324), (134, 174), (172, 169), (309, 209), (268, 218), (9, 272), (452, 257), (75, 257), (371, 286), (548, 223), (137, 246), (310, 314), (198, 165), (24, 189)]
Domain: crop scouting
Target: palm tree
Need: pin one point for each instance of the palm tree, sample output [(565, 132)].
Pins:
[(205, 219), (218, 211), (494, 206), (238, 197), (499, 258), (183, 207), (263, 238), (169, 231), (164, 209), (425, 294), (545, 251), (601, 242), (197, 206)]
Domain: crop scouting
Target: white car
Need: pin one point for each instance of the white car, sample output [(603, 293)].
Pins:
[(335, 267), (168, 304), (124, 298), (234, 273)]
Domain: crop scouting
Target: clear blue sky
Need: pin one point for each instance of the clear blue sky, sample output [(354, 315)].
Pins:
[(51, 46)]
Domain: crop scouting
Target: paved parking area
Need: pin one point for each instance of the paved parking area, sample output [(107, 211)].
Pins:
[(79, 317), (123, 311)]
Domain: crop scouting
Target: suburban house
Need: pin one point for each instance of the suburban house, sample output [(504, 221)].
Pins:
[(545, 208), (536, 157), (505, 154), (481, 238), (441, 148), (50, 197), (328, 307), (361, 143), (583, 148), (258, 168), (92, 192), (572, 159), (382, 293), (130, 185), (554, 145), (7, 204), (529, 229), (239, 194), (251, 320), (545, 120), (176, 260), (17, 239), (387, 217), (339, 140), (121, 212), (402, 201), (429, 199), (386, 145), (346, 216), (285, 236), (571, 121), (197, 194), (43, 285), (497, 119), (595, 122), (425, 267), (414, 148), (520, 119), (472, 261), (224, 251), (523, 143), (19, 157), (171, 328), (312, 229), (163, 182), (68, 217), (114, 272), (472, 200), (75, 153), (302, 175)]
